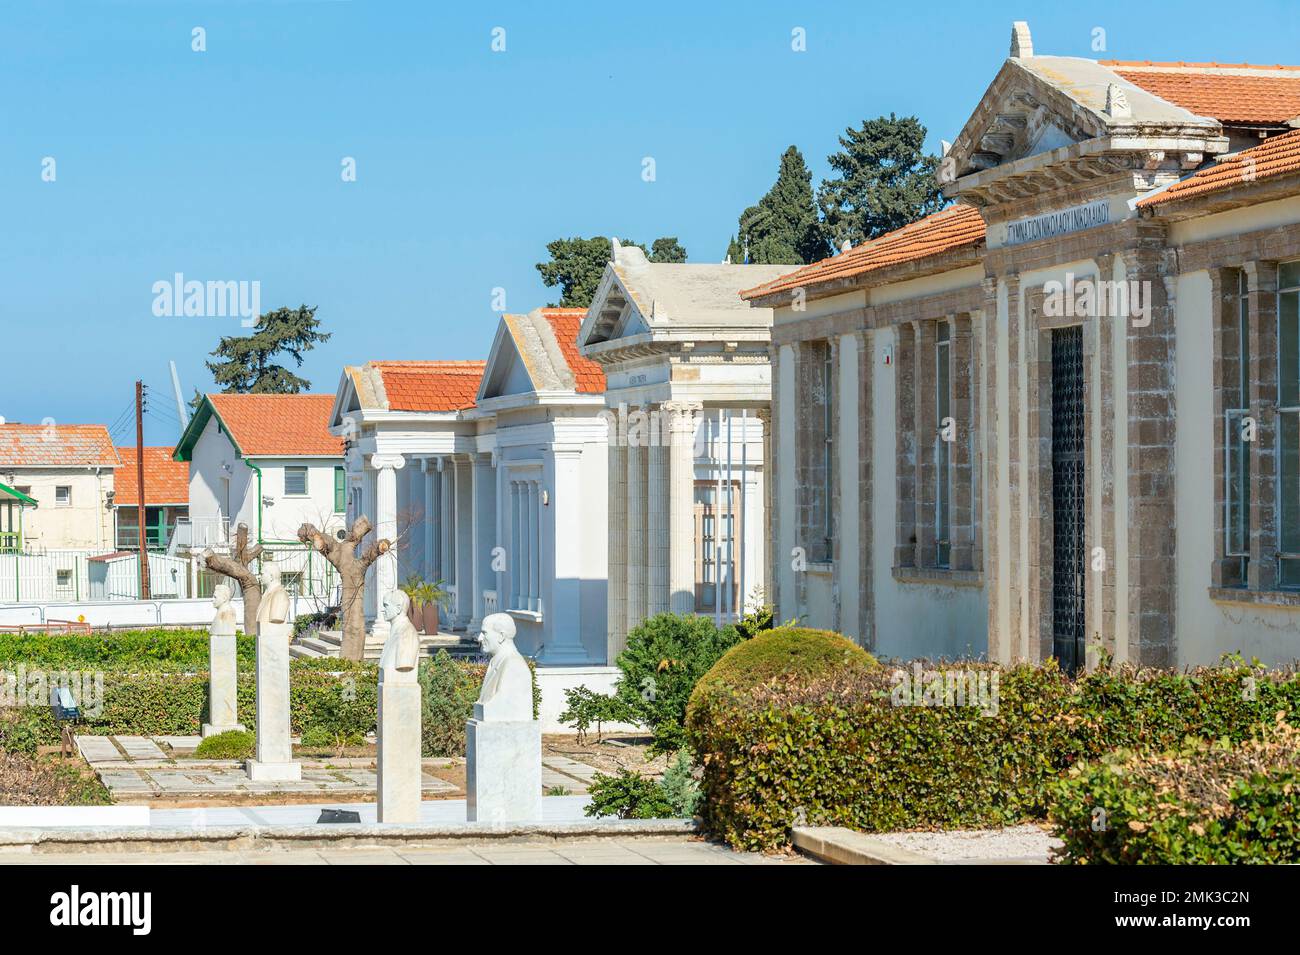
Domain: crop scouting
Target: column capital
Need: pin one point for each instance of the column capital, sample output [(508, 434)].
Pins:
[(386, 461), (682, 414)]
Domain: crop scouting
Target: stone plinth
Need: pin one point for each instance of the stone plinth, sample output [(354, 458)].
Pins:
[(274, 748), (503, 771), (399, 772), (223, 669)]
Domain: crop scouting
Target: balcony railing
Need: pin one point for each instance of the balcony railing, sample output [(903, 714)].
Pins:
[(198, 533), (489, 602)]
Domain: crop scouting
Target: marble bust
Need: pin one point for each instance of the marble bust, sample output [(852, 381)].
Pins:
[(274, 608), (507, 693), (401, 653), (223, 621)]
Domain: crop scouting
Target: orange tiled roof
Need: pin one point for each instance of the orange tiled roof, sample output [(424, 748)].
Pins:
[(1278, 156), (430, 385), (56, 445), (279, 425), (165, 481), (588, 376), (952, 228), (1211, 89)]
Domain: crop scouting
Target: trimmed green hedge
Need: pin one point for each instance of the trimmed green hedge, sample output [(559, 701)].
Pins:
[(839, 751), (173, 650), (1207, 804), (785, 651)]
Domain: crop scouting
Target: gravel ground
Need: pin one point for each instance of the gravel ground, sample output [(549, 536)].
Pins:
[(1017, 842)]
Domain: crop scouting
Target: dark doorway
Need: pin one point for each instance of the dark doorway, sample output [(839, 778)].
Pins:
[(1067, 498)]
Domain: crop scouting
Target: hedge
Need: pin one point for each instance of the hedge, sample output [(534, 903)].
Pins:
[(329, 695), (172, 650), (1208, 803), (838, 751)]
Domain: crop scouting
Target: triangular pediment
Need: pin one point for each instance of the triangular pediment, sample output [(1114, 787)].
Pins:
[(615, 311), (506, 373)]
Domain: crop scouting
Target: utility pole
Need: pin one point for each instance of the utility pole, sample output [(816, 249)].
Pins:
[(139, 488)]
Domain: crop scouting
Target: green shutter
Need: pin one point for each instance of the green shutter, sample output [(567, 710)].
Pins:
[(340, 491)]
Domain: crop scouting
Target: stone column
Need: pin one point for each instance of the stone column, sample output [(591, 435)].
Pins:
[(657, 495), (464, 552), (768, 521), (1261, 302), (447, 529), (483, 533), (681, 496), (636, 534), (517, 564), (398, 772), (563, 620), (616, 588), (386, 467), (428, 472)]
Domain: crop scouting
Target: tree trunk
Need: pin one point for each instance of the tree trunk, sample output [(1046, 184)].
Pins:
[(236, 567), (352, 569)]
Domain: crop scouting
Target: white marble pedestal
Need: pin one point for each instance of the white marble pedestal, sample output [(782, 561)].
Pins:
[(274, 760), (399, 771), (223, 668), (503, 769)]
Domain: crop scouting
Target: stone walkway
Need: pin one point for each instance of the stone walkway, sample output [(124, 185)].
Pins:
[(138, 767), (576, 852)]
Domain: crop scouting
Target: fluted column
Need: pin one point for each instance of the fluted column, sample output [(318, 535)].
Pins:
[(464, 548), (681, 504), (657, 531), (484, 532), (616, 588), (427, 474), (636, 534), (768, 521), (386, 467)]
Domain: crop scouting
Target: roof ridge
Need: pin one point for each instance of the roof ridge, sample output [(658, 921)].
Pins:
[(1206, 65)]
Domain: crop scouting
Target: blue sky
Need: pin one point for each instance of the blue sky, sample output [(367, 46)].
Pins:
[(225, 164)]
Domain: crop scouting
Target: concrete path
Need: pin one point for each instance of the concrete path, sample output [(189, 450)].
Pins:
[(433, 812), (576, 852)]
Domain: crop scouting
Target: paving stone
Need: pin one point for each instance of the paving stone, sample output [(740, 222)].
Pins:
[(140, 747), (98, 749), (570, 767)]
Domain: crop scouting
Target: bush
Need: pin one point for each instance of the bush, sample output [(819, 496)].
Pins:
[(837, 750), (786, 651), (1210, 803), (628, 795), (232, 744), (449, 691), (665, 657), (180, 650), (584, 707)]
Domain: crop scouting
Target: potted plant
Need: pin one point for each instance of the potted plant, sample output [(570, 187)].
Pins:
[(426, 598)]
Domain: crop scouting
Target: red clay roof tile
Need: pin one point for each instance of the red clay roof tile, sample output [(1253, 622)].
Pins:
[(279, 425), (1278, 156), (588, 376), (56, 445), (951, 228), (165, 481), (1210, 89), (430, 385)]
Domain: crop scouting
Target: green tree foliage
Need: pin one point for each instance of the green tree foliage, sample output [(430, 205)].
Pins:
[(782, 228), (884, 181), (248, 364), (577, 264)]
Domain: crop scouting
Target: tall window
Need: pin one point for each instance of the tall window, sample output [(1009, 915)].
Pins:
[(525, 546), (717, 554), (1236, 421), (295, 481), (1288, 445), (944, 435), (340, 490), (828, 449)]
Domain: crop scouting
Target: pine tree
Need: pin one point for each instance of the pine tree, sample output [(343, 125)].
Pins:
[(782, 228), (246, 364), (885, 181), (577, 264)]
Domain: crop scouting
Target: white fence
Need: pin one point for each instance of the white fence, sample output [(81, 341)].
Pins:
[(76, 576), (130, 613)]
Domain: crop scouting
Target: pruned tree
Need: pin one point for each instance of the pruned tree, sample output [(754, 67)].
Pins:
[(352, 567), (237, 567)]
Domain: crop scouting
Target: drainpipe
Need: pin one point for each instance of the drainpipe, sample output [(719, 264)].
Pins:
[(258, 471)]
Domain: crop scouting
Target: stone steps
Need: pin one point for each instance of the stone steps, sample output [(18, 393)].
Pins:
[(329, 643)]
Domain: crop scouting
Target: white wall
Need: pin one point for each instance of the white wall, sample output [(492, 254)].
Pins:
[(86, 523)]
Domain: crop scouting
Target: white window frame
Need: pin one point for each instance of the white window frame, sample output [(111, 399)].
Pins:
[(66, 498), (942, 450), (1282, 412), (306, 482)]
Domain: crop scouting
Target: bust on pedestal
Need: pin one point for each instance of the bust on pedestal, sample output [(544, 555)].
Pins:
[(399, 767), (223, 668), (274, 760), (503, 741)]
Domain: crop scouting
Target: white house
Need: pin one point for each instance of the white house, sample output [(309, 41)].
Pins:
[(689, 385), (267, 461), (67, 470)]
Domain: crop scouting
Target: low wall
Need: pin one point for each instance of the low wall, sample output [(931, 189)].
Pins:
[(121, 614), (553, 681)]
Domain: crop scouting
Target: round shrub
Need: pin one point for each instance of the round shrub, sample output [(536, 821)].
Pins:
[(786, 651), (232, 744)]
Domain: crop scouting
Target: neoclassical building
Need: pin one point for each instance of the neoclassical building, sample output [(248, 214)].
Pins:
[(1060, 416), (688, 392)]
